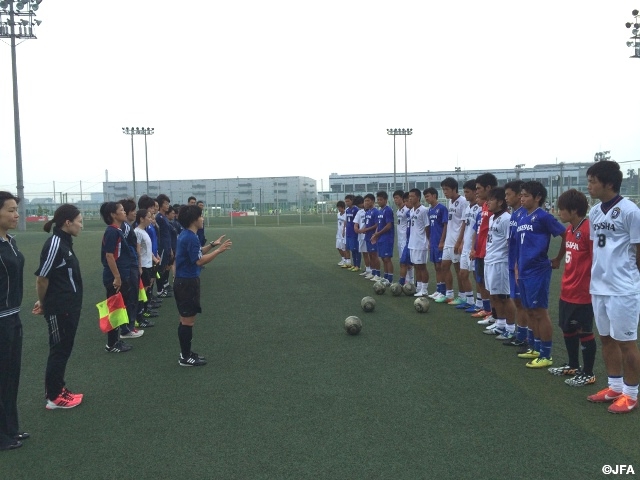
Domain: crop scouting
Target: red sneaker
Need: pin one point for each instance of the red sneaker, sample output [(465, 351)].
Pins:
[(76, 395), (64, 400), (623, 404), (604, 395)]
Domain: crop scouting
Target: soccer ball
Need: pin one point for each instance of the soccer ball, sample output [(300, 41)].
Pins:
[(409, 289), (396, 289), (421, 305), (379, 288), (353, 325), (385, 282), (368, 304)]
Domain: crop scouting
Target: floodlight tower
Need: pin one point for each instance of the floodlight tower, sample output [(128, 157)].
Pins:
[(405, 132), (634, 41), (139, 131), (20, 14)]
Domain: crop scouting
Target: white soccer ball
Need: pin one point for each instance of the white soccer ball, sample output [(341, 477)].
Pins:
[(396, 289), (368, 304), (409, 289), (421, 304), (353, 325), (386, 282), (379, 288)]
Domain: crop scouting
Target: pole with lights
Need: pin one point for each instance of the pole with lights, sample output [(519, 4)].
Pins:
[(139, 131), (634, 40), (405, 132), (20, 14), (518, 170)]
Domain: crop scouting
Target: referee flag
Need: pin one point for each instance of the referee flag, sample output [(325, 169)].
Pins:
[(112, 313), (142, 293)]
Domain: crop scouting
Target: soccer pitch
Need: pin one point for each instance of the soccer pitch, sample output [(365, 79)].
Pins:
[(287, 394)]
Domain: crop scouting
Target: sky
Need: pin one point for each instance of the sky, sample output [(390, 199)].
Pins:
[(298, 88)]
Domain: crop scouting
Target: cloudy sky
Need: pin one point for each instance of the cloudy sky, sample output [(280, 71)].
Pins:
[(292, 87)]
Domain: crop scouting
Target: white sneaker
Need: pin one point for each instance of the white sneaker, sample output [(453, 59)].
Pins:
[(364, 274), (340, 263), (419, 294), (133, 334), (438, 295), (368, 275), (486, 321), (375, 279)]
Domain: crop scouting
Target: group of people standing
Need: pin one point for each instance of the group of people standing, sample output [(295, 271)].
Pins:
[(138, 244), (500, 236)]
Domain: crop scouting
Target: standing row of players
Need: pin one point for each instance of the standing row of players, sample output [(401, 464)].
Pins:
[(501, 237)]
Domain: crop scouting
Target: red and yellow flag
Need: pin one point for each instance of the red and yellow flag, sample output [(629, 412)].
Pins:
[(112, 313), (142, 293)]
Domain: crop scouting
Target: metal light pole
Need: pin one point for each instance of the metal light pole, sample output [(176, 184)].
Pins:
[(19, 14), (405, 132), (518, 170), (139, 131), (634, 41)]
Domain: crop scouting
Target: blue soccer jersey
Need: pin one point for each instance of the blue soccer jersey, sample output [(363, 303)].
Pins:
[(514, 241), (188, 252), (370, 219), (350, 213), (384, 217), (438, 217), (534, 233)]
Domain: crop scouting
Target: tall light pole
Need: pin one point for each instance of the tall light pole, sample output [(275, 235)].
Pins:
[(405, 132), (518, 170), (139, 131), (634, 40), (19, 14)]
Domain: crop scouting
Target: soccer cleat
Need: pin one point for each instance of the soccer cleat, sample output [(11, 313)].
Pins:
[(564, 370), (135, 333), (463, 306), (146, 324), (540, 362), (472, 309), (581, 379), (375, 278), (623, 404), (458, 301), (354, 269), (21, 436), (485, 321), (368, 275), (604, 395), (164, 294), (118, 347), (191, 361), (420, 294), (493, 330), (11, 445), (480, 314), (530, 353), (201, 357), (64, 400), (514, 342), (346, 265), (364, 273), (340, 263), (506, 336), (434, 295), (443, 299), (149, 314)]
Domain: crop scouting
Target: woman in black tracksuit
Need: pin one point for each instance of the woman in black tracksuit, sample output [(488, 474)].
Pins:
[(59, 287), (11, 273)]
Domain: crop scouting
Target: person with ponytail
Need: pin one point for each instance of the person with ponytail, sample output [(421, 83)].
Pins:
[(59, 289)]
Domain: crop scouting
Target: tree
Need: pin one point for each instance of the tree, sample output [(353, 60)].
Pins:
[(236, 204), (599, 156)]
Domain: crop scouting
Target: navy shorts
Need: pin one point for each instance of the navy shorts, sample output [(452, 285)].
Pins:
[(534, 291), (385, 249), (479, 270), (405, 259), (514, 291), (435, 255), (187, 294), (352, 244), (371, 247)]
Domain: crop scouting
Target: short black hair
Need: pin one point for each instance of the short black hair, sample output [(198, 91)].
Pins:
[(405, 195), (487, 179), (341, 204), (163, 198), (431, 190), (349, 196), (358, 200), (535, 189), (398, 193), (4, 196), (370, 197), (106, 210), (145, 201), (140, 214), (128, 204), (607, 172), (470, 185), (450, 182), (189, 214), (499, 194), (416, 192), (573, 201), (382, 194), (191, 198), (514, 186)]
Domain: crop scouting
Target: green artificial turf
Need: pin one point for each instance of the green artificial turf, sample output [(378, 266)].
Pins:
[(287, 394)]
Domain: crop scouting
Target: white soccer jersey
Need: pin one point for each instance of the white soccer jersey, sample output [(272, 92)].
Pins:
[(456, 217), (359, 219), (418, 222), (498, 239), (402, 215), (342, 218), (469, 218), (143, 239), (615, 235)]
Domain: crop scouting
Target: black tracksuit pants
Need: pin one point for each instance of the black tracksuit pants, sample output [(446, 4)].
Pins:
[(62, 333), (10, 362)]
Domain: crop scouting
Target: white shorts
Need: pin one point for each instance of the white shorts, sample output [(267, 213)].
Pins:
[(447, 254), (341, 244), (617, 316), (496, 278), (362, 246), (401, 244), (418, 256), (466, 263)]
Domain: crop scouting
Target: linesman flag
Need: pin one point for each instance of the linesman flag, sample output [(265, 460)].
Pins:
[(142, 293), (112, 313)]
